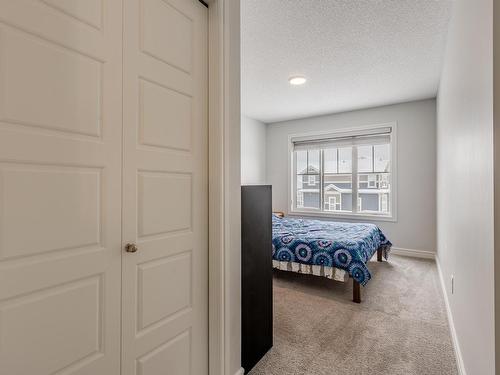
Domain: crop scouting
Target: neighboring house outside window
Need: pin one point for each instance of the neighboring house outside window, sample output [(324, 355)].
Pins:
[(326, 167)]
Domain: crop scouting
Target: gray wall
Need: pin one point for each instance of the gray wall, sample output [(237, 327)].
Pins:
[(465, 169), (416, 207), (253, 151)]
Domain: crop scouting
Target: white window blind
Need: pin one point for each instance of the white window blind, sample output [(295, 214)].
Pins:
[(343, 139)]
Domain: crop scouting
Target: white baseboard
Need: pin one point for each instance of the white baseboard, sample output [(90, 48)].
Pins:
[(240, 371), (413, 253), (454, 338)]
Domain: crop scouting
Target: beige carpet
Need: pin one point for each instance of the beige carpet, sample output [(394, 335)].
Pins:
[(399, 328)]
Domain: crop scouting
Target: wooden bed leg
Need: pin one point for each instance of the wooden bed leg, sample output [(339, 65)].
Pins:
[(356, 291), (379, 255)]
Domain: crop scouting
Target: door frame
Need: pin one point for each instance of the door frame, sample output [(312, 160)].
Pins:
[(224, 188)]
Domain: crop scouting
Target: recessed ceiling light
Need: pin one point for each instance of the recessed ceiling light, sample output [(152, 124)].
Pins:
[(297, 80)]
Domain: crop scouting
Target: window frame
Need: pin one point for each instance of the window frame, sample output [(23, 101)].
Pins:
[(311, 212)]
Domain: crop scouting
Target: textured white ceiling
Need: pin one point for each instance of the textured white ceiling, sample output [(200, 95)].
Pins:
[(355, 54)]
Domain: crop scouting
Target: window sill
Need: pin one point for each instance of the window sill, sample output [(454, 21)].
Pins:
[(349, 216)]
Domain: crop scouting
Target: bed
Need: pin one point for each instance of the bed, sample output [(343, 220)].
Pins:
[(329, 249)]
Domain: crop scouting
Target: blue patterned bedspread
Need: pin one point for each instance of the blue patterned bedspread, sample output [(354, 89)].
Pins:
[(348, 246)]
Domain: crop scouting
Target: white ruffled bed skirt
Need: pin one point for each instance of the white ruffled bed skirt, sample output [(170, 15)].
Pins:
[(325, 271)]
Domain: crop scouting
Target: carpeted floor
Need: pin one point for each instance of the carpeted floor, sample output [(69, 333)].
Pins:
[(400, 327)]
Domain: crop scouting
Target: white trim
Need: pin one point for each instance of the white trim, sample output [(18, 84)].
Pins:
[(454, 337), (240, 372), (340, 215), (224, 193), (354, 181), (425, 254), (216, 260)]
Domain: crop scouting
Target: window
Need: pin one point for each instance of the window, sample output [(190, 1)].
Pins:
[(334, 202), (345, 173), (308, 179)]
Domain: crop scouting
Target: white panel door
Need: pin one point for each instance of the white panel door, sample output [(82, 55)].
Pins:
[(60, 186), (165, 283)]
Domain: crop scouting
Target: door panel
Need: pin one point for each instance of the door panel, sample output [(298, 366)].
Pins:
[(155, 302), (156, 216), (22, 332), (87, 11), (165, 196), (159, 103), (167, 32), (175, 355), (70, 194), (60, 183), (33, 67)]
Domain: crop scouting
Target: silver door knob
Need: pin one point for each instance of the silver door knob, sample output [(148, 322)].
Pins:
[(131, 248)]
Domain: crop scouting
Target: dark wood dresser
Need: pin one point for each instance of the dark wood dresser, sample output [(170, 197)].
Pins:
[(256, 274)]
